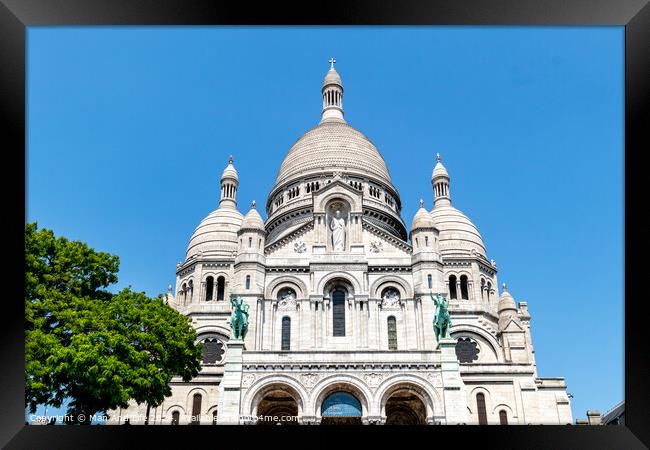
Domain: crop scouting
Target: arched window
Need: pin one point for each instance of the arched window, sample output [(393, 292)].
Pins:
[(184, 292), (175, 417), (190, 287), (214, 417), (489, 288), (480, 408), (426, 241), (453, 295), (250, 242), (212, 351), (503, 417), (430, 281), (221, 287), (392, 333), (464, 293), (196, 409), (482, 287), (209, 287), (248, 281), (338, 313), (286, 333)]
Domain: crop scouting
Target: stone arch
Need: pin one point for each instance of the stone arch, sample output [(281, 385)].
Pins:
[(222, 330), (286, 281), (467, 329), (500, 406), (390, 280), (345, 277), (345, 383), (260, 388), (421, 387), (337, 193)]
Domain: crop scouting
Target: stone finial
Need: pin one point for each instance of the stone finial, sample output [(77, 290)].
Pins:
[(438, 158), (504, 287), (253, 205), (169, 289), (421, 203), (332, 61), (231, 159)]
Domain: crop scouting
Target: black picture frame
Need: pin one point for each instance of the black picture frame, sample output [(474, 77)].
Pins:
[(17, 15)]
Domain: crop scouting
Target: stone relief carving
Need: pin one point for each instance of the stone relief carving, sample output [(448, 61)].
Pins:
[(247, 379), (373, 379), (300, 247), (287, 299), (376, 246), (390, 299), (435, 378), (309, 380)]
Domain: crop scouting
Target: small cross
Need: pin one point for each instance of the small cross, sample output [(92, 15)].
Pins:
[(230, 159), (438, 158), (331, 61)]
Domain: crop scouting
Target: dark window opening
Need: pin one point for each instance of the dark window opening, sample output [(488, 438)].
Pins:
[(338, 313), (221, 287), (196, 409), (503, 417), (452, 288), (209, 287), (286, 333), (480, 408), (392, 333), (464, 293), (175, 417)]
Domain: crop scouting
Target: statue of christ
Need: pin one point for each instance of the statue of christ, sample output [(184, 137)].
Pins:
[(337, 225)]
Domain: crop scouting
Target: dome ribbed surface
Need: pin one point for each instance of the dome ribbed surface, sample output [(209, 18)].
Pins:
[(333, 146), (253, 220), (216, 235), (457, 232), (422, 219), (332, 77)]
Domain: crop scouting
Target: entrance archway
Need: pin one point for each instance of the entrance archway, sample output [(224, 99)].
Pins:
[(341, 408), (404, 407), (277, 407)]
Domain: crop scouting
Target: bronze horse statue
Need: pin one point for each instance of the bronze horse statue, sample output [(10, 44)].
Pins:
[(239, 317), (441, 321)]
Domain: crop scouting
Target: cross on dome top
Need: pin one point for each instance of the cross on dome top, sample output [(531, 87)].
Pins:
[(230, 159), (331, 61), (421, 203), (438, 158)]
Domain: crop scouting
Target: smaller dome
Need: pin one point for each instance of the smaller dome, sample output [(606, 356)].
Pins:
[(506, 302), (422, 218), (439, 170), (332, 77), (216, 235), (230, 171), (253, 220), (457, 233)]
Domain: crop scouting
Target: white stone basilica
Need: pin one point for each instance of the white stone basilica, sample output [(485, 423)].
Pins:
[(340, 307)]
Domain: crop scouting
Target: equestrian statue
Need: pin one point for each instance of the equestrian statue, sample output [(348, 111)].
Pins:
[(441, 320), (239, 317)]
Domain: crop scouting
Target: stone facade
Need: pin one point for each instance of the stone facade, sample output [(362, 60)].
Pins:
[(349, 309)]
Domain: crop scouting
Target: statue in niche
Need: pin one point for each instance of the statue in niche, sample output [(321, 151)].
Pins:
[(337, 225)]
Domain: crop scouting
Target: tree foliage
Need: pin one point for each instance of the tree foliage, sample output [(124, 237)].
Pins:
[(96, 349)]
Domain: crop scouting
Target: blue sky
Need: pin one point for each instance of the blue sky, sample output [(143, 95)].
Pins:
[(129, 129)]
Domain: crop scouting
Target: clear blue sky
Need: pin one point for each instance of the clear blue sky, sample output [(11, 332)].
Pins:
[(129, 130)]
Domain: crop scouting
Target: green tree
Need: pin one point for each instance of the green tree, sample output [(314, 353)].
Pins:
[(93, 348)]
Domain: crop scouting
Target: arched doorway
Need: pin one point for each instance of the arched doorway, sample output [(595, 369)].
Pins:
[(277, 407), (341, 408), (405, 407)]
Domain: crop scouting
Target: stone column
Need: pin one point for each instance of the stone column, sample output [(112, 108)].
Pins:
[(230, 387), (454, 388)]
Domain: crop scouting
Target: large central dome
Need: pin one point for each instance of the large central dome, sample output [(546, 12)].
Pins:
[(333, 145)]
